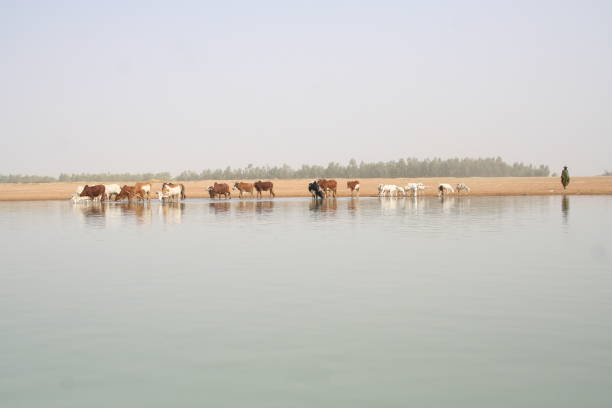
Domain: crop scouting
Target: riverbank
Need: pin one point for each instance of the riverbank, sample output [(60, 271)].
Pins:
[(481, 186)]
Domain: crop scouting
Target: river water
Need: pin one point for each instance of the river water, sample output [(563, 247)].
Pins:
[(461, 302)]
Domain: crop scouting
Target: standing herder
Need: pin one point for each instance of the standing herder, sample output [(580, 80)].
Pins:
[(565, 179)]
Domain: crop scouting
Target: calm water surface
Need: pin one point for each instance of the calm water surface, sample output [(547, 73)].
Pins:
[(471, 302)]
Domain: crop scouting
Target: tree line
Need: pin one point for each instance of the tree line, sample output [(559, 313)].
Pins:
[(18, 178), (405, 168)]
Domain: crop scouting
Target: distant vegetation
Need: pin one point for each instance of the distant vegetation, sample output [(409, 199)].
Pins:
[(487, 167), (607, 173), (18, 178), (114, 177), (408, 168)]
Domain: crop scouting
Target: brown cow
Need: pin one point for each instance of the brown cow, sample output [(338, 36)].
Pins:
[(218, 189), (264, 186), (243, 188), (353, 186), (142, 190), (93, 191), (126, 192), (328, 185)]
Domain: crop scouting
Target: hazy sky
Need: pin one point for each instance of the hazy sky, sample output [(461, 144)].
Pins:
[(167, 86)]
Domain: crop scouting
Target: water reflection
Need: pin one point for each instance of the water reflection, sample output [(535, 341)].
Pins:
[(245, 206), (111, 214), (220, 207), (413, 204), (92, 213), (171, 212), (391, 203), (264, 206), (447, 204), (324, 205), (141, 210)]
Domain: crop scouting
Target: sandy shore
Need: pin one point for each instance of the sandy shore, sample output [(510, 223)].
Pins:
[(481, 186)]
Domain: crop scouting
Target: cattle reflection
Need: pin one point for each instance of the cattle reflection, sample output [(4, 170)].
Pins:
[(141, 210), (171, 212), (412, 204), (447, 204), (327, 204), (391, 203), (264, 206), (565, 207), (220, 207), (353, 204), (255, 206), (246, 206), (92, 212), (463, 204)]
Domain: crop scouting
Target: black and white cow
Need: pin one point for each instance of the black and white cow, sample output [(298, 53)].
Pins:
[(316, 190)]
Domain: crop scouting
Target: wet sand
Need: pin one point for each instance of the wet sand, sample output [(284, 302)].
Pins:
[(481, 186)]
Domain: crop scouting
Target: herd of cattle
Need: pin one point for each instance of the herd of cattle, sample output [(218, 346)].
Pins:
[(319, 189), (392, 190)]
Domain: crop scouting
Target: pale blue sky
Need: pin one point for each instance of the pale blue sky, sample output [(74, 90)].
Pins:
[(168, 86)]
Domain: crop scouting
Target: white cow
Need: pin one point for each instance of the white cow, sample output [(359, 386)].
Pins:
[(110, 189), (445, 188), (390, 189), (414, 188), (463, 187), (171, 193)]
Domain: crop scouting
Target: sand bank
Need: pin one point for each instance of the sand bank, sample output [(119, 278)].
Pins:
[(481, 186)]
